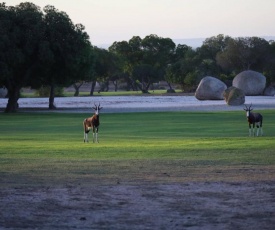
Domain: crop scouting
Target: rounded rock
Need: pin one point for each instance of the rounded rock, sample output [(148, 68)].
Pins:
[(234, 96), (210, 88), (251, 82)]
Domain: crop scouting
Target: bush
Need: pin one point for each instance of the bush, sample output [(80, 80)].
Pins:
[(44, 91), (171, 91)]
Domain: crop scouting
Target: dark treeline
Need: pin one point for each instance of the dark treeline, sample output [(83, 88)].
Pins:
[(43, 48)]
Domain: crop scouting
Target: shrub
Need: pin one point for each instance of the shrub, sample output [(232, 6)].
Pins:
[(44, 91)]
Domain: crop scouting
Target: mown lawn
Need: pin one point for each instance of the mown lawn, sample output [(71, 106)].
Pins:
[(48, 148)]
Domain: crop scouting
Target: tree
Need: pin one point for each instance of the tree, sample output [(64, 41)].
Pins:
[(84, 68), (145, 75), (269, 67), (128, 55), (65, 53), (40, 50), (207, 53), (138, 54), (124, 52), (104, 68), (21, 32), (158, 52), (243, 54), (184, 68), (213, 45)]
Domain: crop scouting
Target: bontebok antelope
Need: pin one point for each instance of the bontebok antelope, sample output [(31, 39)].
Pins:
[(254, 119), (92, 123)]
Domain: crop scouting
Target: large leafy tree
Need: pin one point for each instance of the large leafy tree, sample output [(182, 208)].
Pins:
[(84, 68), (207, 53), (213, 45), (39, 49), (128, 55), (184, 69), (124, 52), (159, 53), (65, 53), (21, 32), (244, 53), (269, 67), (145, 75), (104, 68), (143, 56)]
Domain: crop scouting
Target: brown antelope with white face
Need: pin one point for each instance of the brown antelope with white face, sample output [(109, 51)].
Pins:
[(254, 119), (92, 123)]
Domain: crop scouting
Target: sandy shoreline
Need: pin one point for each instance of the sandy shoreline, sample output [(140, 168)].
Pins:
[(137, 104)]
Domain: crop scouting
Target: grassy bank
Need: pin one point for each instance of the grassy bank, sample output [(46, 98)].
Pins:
[(42, 149), (158, 92)]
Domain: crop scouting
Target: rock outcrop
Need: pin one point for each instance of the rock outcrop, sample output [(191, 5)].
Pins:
[(234, 96), (269, 91), (210, 88), (3, 92), (252, 83)]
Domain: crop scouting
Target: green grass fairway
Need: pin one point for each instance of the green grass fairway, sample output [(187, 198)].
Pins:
[(48, 148)]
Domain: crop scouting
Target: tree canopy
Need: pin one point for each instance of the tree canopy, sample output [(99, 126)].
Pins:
[(21, 33), (40, 48)]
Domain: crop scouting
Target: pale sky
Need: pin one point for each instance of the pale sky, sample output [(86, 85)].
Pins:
[(107, 21)]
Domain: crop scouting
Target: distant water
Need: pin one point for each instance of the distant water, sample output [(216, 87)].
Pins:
[(140, 103)]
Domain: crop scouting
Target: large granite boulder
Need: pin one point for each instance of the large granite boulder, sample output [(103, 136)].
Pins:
[(210, 88), (251, 82), (3, 92), (234, 96), (269, 91)]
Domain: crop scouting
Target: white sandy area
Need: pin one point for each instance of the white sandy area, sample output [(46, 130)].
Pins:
[(140, 103)]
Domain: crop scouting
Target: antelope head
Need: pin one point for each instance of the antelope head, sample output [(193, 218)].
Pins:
[(96, 108), (248, 109)]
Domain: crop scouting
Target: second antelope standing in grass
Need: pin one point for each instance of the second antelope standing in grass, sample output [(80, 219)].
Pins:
[(254, 119), (92, 123)]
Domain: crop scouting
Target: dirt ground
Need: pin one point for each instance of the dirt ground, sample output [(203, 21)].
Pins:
[(194, 205)]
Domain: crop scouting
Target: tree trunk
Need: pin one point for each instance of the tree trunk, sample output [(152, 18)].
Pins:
[(170, 86), (92, 88), (76, 93), (12, 105), (116, 85), (107, 86), (51, 98), (170, 90), (77, 87), (145, 87)]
